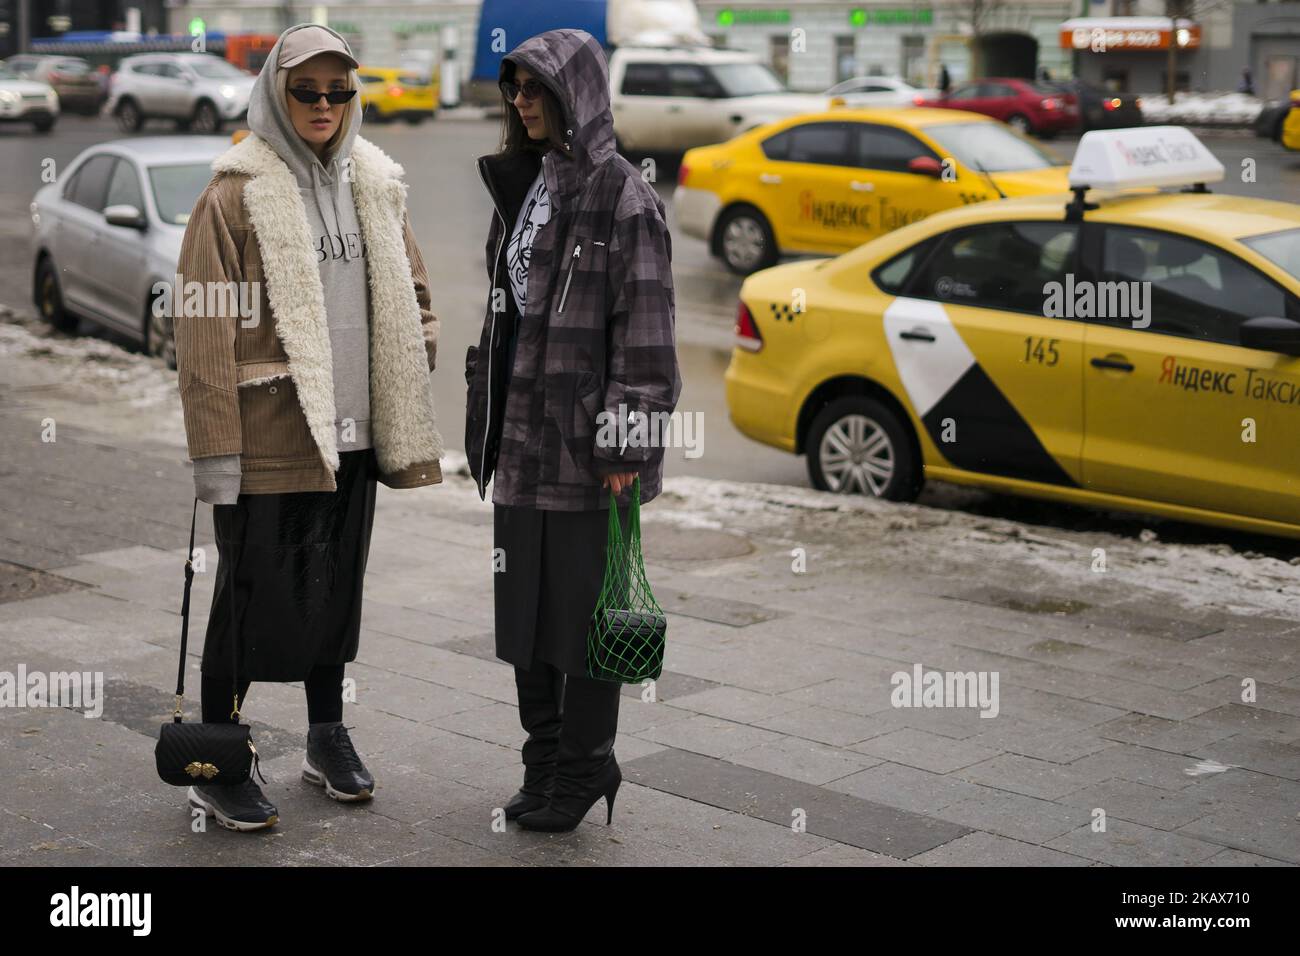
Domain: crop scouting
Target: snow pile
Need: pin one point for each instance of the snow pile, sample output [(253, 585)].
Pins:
[(854, 531), (1202, 109)]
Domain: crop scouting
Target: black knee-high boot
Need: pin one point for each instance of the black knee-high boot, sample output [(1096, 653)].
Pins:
[(541, 696), (585, 768)]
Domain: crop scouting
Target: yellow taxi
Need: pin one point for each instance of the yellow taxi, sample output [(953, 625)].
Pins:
[(1291, 125), (1124, 347), (388, 94), (828, 182)]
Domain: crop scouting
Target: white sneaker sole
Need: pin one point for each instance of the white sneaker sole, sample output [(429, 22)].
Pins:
[(211, 810), (314, 776)]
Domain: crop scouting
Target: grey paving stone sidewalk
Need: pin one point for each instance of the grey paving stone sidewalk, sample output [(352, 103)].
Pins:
[(771, 739)]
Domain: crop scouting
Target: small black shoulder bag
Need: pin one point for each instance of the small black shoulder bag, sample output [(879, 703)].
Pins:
[(215, 754)]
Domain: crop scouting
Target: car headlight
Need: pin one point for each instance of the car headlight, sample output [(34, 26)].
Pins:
[(8, 96), (228, 92)]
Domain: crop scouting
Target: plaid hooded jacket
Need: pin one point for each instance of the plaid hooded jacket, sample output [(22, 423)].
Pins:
[(597, 333)]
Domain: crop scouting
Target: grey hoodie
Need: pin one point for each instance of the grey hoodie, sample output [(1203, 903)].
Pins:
[(340, 253)]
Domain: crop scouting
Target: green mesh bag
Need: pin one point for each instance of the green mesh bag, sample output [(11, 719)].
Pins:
[(625, 640)]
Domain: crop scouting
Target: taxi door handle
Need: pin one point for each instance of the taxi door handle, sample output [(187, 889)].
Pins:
[(917, 335), (1118, 364), (769, 179), (859, 186)]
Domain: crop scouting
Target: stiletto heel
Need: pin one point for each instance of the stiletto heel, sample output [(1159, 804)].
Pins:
[(566, 809)]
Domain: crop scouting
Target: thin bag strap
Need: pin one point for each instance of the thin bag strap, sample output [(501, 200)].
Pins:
[(185, 627), (185, 615)]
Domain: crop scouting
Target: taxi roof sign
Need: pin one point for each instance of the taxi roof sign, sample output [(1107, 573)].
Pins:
[(1144, 156)]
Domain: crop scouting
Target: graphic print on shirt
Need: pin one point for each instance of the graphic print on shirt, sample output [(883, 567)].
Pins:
[(535, 213), (355, 246)]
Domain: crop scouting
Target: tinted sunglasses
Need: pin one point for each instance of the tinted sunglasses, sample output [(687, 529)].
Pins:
[(530, 88), (333, 97)]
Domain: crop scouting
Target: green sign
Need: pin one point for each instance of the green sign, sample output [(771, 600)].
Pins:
[(729, 17), (197, 26), (860, 17)]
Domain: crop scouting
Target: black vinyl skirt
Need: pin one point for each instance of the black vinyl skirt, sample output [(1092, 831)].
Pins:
[(299, 563), (554, 570)]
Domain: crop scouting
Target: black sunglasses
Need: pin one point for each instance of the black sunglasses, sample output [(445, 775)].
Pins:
[(333, 97), (531, 89)]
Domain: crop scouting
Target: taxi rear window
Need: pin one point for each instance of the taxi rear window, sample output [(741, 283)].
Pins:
[(1280, 248)]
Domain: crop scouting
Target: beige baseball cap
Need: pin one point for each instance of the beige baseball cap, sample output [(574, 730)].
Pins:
[(306, 43)]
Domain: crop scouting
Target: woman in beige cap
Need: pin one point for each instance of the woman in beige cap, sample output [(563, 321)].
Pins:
[(293, 416)]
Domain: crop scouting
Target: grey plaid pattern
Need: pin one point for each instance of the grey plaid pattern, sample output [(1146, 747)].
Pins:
[(598, 329)]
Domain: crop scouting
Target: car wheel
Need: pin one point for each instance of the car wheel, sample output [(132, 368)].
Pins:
[(369, 114), (414, 119), (44, 124), (160, 335), (206, 119), (858, 445), (129, 117), (745, 241), (1020, 124), (49, 298)]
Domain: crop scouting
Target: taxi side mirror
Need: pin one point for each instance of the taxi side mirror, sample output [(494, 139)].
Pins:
[(925, 166), (1271, 334)]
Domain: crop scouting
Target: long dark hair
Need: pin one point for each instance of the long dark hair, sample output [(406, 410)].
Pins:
[(514, 135)]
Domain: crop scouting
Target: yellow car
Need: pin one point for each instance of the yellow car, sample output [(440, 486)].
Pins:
[(388, 94), (1128, 348), (1291, 125), (828, 182)]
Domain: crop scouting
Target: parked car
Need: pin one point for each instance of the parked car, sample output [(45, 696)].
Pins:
[(73, 79), (1273, 117), (867, 91), (389, 94), (197, 90), (111, 227), (27, 101), (828, 182), (1028, 106), (671, 99), (1099, 108)]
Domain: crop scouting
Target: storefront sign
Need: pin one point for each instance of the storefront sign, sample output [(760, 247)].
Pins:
[(1102, 35), (731, 18), (861, 17)]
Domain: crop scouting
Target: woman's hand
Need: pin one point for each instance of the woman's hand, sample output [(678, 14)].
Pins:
[(618, 481)]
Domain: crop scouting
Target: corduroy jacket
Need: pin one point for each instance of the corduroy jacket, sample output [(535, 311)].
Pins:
[(263, 389)]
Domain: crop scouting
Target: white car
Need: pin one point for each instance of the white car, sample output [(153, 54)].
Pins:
[(875, 91), (674, 99), (201, 92), (27, 101)]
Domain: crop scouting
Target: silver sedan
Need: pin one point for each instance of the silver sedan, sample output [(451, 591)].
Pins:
[(109, 230)]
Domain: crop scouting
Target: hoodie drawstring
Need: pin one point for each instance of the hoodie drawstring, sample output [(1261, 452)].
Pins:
[(317, 184)]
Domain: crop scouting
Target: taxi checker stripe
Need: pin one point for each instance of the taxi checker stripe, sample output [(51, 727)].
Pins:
[(944, 381)]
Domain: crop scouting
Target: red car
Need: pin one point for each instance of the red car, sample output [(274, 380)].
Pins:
[(1028, 106)]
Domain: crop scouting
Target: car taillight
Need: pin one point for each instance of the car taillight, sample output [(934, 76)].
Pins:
[(394, 91), (1112, 104), (747, 334), (682, 172), (1051, 103), (1138, 102), (918, 99)]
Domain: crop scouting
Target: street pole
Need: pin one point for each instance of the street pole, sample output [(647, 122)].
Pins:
[(1172, 67), (24, 26)]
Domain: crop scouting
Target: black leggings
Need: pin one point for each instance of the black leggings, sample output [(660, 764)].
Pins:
[(324, 696)]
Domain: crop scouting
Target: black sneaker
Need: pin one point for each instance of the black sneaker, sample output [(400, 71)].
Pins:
[(332, 763), (242, 806)]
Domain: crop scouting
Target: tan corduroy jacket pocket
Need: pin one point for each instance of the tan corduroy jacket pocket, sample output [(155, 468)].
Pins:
[(274, 429)]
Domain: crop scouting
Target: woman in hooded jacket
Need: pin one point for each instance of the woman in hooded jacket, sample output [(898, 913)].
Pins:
[(293, 414), (578, 336)]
